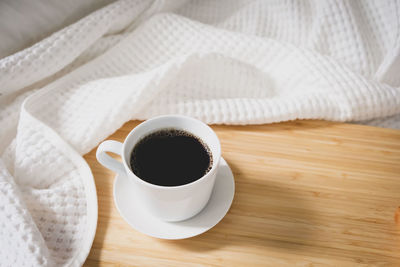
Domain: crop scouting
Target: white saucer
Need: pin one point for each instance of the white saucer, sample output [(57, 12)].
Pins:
[(141, 220)]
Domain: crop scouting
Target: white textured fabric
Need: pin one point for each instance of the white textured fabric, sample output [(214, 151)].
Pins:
[(232, 62)]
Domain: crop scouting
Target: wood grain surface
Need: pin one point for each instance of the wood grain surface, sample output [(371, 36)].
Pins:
[(308, 193)]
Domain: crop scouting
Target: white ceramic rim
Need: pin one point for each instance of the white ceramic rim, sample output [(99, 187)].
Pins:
[(143, 124), (167, 235)]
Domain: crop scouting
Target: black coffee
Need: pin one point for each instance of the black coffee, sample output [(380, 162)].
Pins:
[(170, 157)]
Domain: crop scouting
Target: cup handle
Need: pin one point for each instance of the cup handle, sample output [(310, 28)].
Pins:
[(106, 160)]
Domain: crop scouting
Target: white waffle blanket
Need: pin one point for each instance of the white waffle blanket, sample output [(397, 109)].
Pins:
[(232, 62)]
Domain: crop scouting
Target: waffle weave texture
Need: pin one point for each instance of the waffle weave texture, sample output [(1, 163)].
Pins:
[(227, 62)]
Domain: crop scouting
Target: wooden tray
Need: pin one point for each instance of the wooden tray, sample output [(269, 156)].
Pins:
[(308, 193)]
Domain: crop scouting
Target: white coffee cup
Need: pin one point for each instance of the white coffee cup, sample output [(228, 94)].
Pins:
[(169, 203)]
